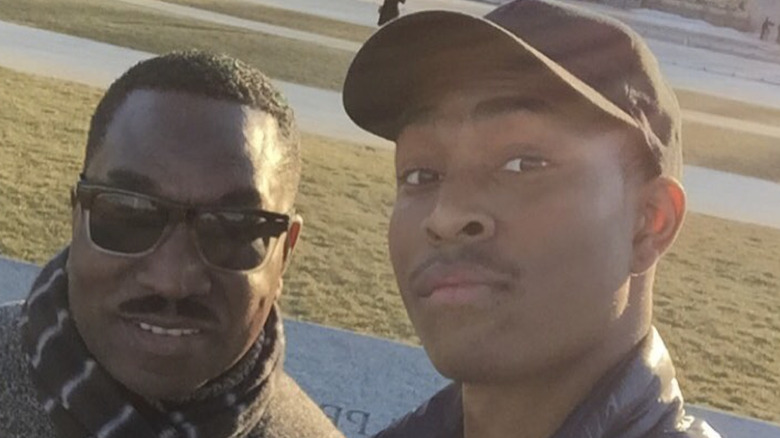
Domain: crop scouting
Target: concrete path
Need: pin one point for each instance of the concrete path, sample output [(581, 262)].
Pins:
[(31, 50), (664, 26), (719, 74)]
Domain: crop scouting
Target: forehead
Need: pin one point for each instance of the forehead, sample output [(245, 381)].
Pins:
[(486, 95), (188, 148), (499, 114)]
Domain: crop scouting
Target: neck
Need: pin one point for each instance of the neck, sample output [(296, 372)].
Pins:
[(526, 411), (535, 406)]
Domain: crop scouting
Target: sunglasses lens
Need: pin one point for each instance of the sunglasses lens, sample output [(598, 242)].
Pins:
[(124, 223), (234, 240)]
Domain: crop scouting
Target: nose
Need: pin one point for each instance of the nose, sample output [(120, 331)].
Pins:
[(458, 217), (175, 269)]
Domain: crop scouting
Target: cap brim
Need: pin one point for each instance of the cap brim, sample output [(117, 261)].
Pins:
[(416, 51)]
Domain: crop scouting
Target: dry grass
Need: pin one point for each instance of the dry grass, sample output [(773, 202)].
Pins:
[(734, 109), (731, 151), (283, 17), (716, 301), (726, 149), (717, 306)]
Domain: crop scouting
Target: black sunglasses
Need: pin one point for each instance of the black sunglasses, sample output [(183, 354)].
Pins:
[(126, 223)]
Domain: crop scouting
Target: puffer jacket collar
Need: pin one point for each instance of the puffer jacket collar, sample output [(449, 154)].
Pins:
[(638, 398)]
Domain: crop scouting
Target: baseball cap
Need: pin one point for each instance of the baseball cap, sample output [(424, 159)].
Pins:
[(568, 50)]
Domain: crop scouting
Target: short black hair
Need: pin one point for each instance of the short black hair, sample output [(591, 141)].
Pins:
[(637, 160), (209, 75)]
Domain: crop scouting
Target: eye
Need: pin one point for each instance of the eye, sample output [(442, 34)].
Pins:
[(418, 177), (526, 164)]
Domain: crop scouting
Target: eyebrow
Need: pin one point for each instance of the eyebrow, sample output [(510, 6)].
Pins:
[(416, 115), (133, 181), (247, 197), (508, 105), (136, 182), (483, 110)]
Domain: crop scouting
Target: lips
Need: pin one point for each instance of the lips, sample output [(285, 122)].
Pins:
[(460, 279), (157, 330), (168, 324), (158, 336)]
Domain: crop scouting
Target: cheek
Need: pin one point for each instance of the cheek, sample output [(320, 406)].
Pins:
[(249, 297), (581, 242), (94, 280), (94, 277), (247, 302), (403, 234), (394, 235)]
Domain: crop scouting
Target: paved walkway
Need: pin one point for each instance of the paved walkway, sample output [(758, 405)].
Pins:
[(691, 32), (32, 50)]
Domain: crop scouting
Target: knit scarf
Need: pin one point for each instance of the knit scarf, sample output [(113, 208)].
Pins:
[(83, 400)]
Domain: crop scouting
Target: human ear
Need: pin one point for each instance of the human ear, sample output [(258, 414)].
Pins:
[(291, 239), (661, 214)]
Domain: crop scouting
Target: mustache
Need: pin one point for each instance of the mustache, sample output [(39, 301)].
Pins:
[(155, 304), (473, 255)]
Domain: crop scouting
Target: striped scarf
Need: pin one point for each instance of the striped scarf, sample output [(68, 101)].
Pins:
[(83, 400)]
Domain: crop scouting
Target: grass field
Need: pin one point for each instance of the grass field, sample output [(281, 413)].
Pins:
[(728, 107), (731, 151), (309, 64), (283, 17), (717, 301)]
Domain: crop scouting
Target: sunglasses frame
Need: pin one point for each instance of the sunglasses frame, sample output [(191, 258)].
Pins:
[(84, 193)]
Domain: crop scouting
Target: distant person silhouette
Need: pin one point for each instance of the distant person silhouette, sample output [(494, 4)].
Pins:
[(389, 10), (765, 28)]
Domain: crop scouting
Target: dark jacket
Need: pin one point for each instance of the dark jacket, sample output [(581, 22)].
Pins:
[(289, 414), (639, 398)]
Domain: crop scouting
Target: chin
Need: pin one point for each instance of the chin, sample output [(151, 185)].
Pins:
[(469, 372), (162, 391), (494, 364), (460, 364), (153, 386)]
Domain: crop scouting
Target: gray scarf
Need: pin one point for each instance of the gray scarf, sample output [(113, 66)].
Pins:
[(83, 400)]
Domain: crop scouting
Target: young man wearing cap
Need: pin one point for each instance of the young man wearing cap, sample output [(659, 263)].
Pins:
[(538, 157)]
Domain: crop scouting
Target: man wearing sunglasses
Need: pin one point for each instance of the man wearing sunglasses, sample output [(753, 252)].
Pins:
[(538, 158), (160, 318)]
